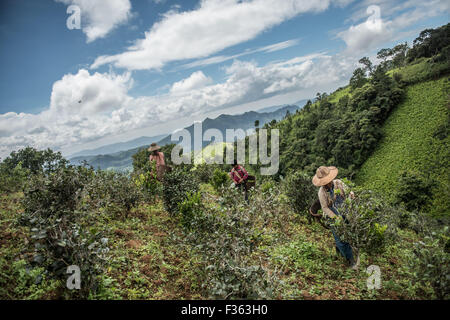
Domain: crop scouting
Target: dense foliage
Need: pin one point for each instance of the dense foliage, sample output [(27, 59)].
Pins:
[(227, 237), (176, 185), (17, 168), (300, 192), (431, 262), (194, 237), (369, 223), (220, 179), (61, 226)]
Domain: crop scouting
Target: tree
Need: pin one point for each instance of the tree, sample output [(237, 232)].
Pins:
[(36, 161), (384, 54), (358, 78), (368, 67), (399, 52), (430, 42)]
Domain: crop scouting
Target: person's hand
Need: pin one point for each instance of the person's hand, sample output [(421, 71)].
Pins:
[(352, 195), (332, 216), (240, 181)]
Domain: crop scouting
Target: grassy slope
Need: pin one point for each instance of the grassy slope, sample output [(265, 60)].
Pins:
[(148, 260), (145, 262), (408, 141)]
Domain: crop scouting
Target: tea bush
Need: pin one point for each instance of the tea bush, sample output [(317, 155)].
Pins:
[(267, 186), (219, 179), (115, 191), (430, 262), (370, 223), (190, 209), (60, 226), (13, 180), (301, 192), (204, 172), (414, 191), (176, 185), (226, 236), (146, 179)]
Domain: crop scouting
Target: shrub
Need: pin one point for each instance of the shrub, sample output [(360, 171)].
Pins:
[(219, 179), (267, 186), (414, 191), (123, 192), (300, 191), (226, 236), (146, 179), (370, 224), (204, 172), (13, 180), (61, 228), (176, 185), (190, 209), (431, 262), (115, 191)]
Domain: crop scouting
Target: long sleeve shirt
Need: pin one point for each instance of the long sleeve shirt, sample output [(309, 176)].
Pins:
[(158, 158), (325, 199), (238, 174)]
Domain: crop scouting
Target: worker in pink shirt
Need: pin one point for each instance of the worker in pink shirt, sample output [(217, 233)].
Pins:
[(158, 157), (239, 175)]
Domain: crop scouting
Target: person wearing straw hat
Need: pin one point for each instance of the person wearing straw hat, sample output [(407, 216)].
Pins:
[(330, 201), (158, 157)]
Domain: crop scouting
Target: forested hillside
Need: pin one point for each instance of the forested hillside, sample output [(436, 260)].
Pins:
[(192, 236), (415, 148), (388, 128)]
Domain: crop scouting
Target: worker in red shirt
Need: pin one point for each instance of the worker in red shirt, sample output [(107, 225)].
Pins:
[(239, 175)]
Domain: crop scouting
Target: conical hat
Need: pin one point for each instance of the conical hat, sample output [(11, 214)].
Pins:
[(154, 147), (324, 175)]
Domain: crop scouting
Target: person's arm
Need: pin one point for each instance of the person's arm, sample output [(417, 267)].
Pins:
[(324, 204), (345, 189), (233, 177), (245, 173), (163, 162)]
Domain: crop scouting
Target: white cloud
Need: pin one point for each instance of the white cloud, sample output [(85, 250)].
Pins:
[(83, 107), (367, 34), (195, 81), (99, 17), (219, 59), (386, 20), (86, 94), (212, 27), (107, 109)]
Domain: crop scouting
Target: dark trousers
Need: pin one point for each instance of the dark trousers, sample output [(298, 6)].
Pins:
[(344, 248), (244, 186)]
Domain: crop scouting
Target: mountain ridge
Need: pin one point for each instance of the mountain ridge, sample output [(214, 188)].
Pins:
[(122, 160)]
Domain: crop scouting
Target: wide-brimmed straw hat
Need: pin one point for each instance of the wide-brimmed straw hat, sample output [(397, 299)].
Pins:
[(154, 147), (324, 175)]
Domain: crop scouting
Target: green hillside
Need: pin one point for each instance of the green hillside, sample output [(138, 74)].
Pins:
[(191, 235), (411, 142)]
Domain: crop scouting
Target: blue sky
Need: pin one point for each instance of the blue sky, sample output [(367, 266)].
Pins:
[(146, 67)]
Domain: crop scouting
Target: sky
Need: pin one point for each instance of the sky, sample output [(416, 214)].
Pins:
[(78, 74)]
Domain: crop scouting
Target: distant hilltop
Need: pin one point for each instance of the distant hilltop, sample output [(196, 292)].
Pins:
[(121, 159)]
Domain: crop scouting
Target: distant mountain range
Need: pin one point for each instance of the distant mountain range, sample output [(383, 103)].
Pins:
[(243, 121), (300, 104), (121, 160), (117, 147)]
